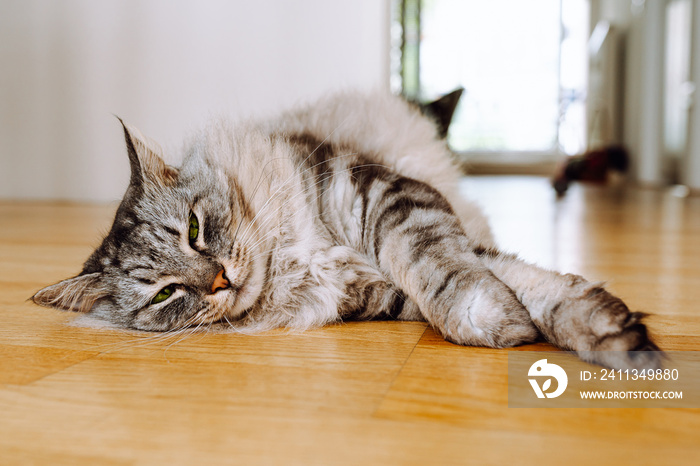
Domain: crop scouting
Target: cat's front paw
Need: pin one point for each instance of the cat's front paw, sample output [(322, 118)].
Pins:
[(487, 314), (611, 335)]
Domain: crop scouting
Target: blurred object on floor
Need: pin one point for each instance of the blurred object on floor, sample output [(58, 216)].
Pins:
[(601, 165)]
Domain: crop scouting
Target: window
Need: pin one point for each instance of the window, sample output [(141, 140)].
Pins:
[(522, 65)]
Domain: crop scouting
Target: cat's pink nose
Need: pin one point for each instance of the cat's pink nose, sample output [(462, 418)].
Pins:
[(220, 282)]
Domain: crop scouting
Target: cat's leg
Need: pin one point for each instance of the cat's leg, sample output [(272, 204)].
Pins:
[(418, 242), (575, 314)]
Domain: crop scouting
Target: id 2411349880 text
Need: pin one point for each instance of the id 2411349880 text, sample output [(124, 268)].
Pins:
[(630, 375)]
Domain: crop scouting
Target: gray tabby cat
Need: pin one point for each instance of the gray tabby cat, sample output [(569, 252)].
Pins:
[(346, 209)]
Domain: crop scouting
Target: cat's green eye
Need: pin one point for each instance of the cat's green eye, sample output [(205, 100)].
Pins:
[(163, 294), (194, 228)]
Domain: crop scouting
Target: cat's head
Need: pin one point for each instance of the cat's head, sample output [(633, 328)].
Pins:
[(170, 259)]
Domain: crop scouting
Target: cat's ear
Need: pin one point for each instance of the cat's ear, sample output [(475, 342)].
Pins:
[(76, 294), (442, 110), (146, 159)]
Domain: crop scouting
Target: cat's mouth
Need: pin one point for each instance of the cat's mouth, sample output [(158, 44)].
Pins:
[(230, 302)]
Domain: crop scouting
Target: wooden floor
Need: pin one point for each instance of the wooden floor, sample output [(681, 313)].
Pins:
[(360, 393)]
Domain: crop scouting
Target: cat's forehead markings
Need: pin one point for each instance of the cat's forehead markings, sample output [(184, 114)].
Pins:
[(157, 282), (196, 199), (172, 231), (139, 270), (153, 280), (145, 281), (151, 232)]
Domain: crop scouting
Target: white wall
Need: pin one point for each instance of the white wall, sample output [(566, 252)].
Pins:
[(643, 23), (691, 165), (66, 66)]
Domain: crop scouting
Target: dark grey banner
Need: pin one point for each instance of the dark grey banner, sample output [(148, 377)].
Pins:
[(560, 379)]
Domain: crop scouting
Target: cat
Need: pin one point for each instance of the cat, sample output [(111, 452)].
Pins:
[(343, 209)]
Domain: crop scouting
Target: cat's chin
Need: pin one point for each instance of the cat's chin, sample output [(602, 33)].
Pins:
[(245, 298), (248, 293)]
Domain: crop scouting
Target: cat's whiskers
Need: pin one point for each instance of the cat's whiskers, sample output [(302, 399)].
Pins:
[(188, 329), (185, 333), (175, 331), (228, 321), (143, 339), (263, 176)]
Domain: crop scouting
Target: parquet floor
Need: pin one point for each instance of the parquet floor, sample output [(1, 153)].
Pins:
[(358, 393)]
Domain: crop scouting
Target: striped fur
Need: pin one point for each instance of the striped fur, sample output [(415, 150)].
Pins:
[(344, 209)]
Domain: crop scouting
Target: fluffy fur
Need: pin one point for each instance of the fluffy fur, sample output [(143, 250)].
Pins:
[(343, 209)]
